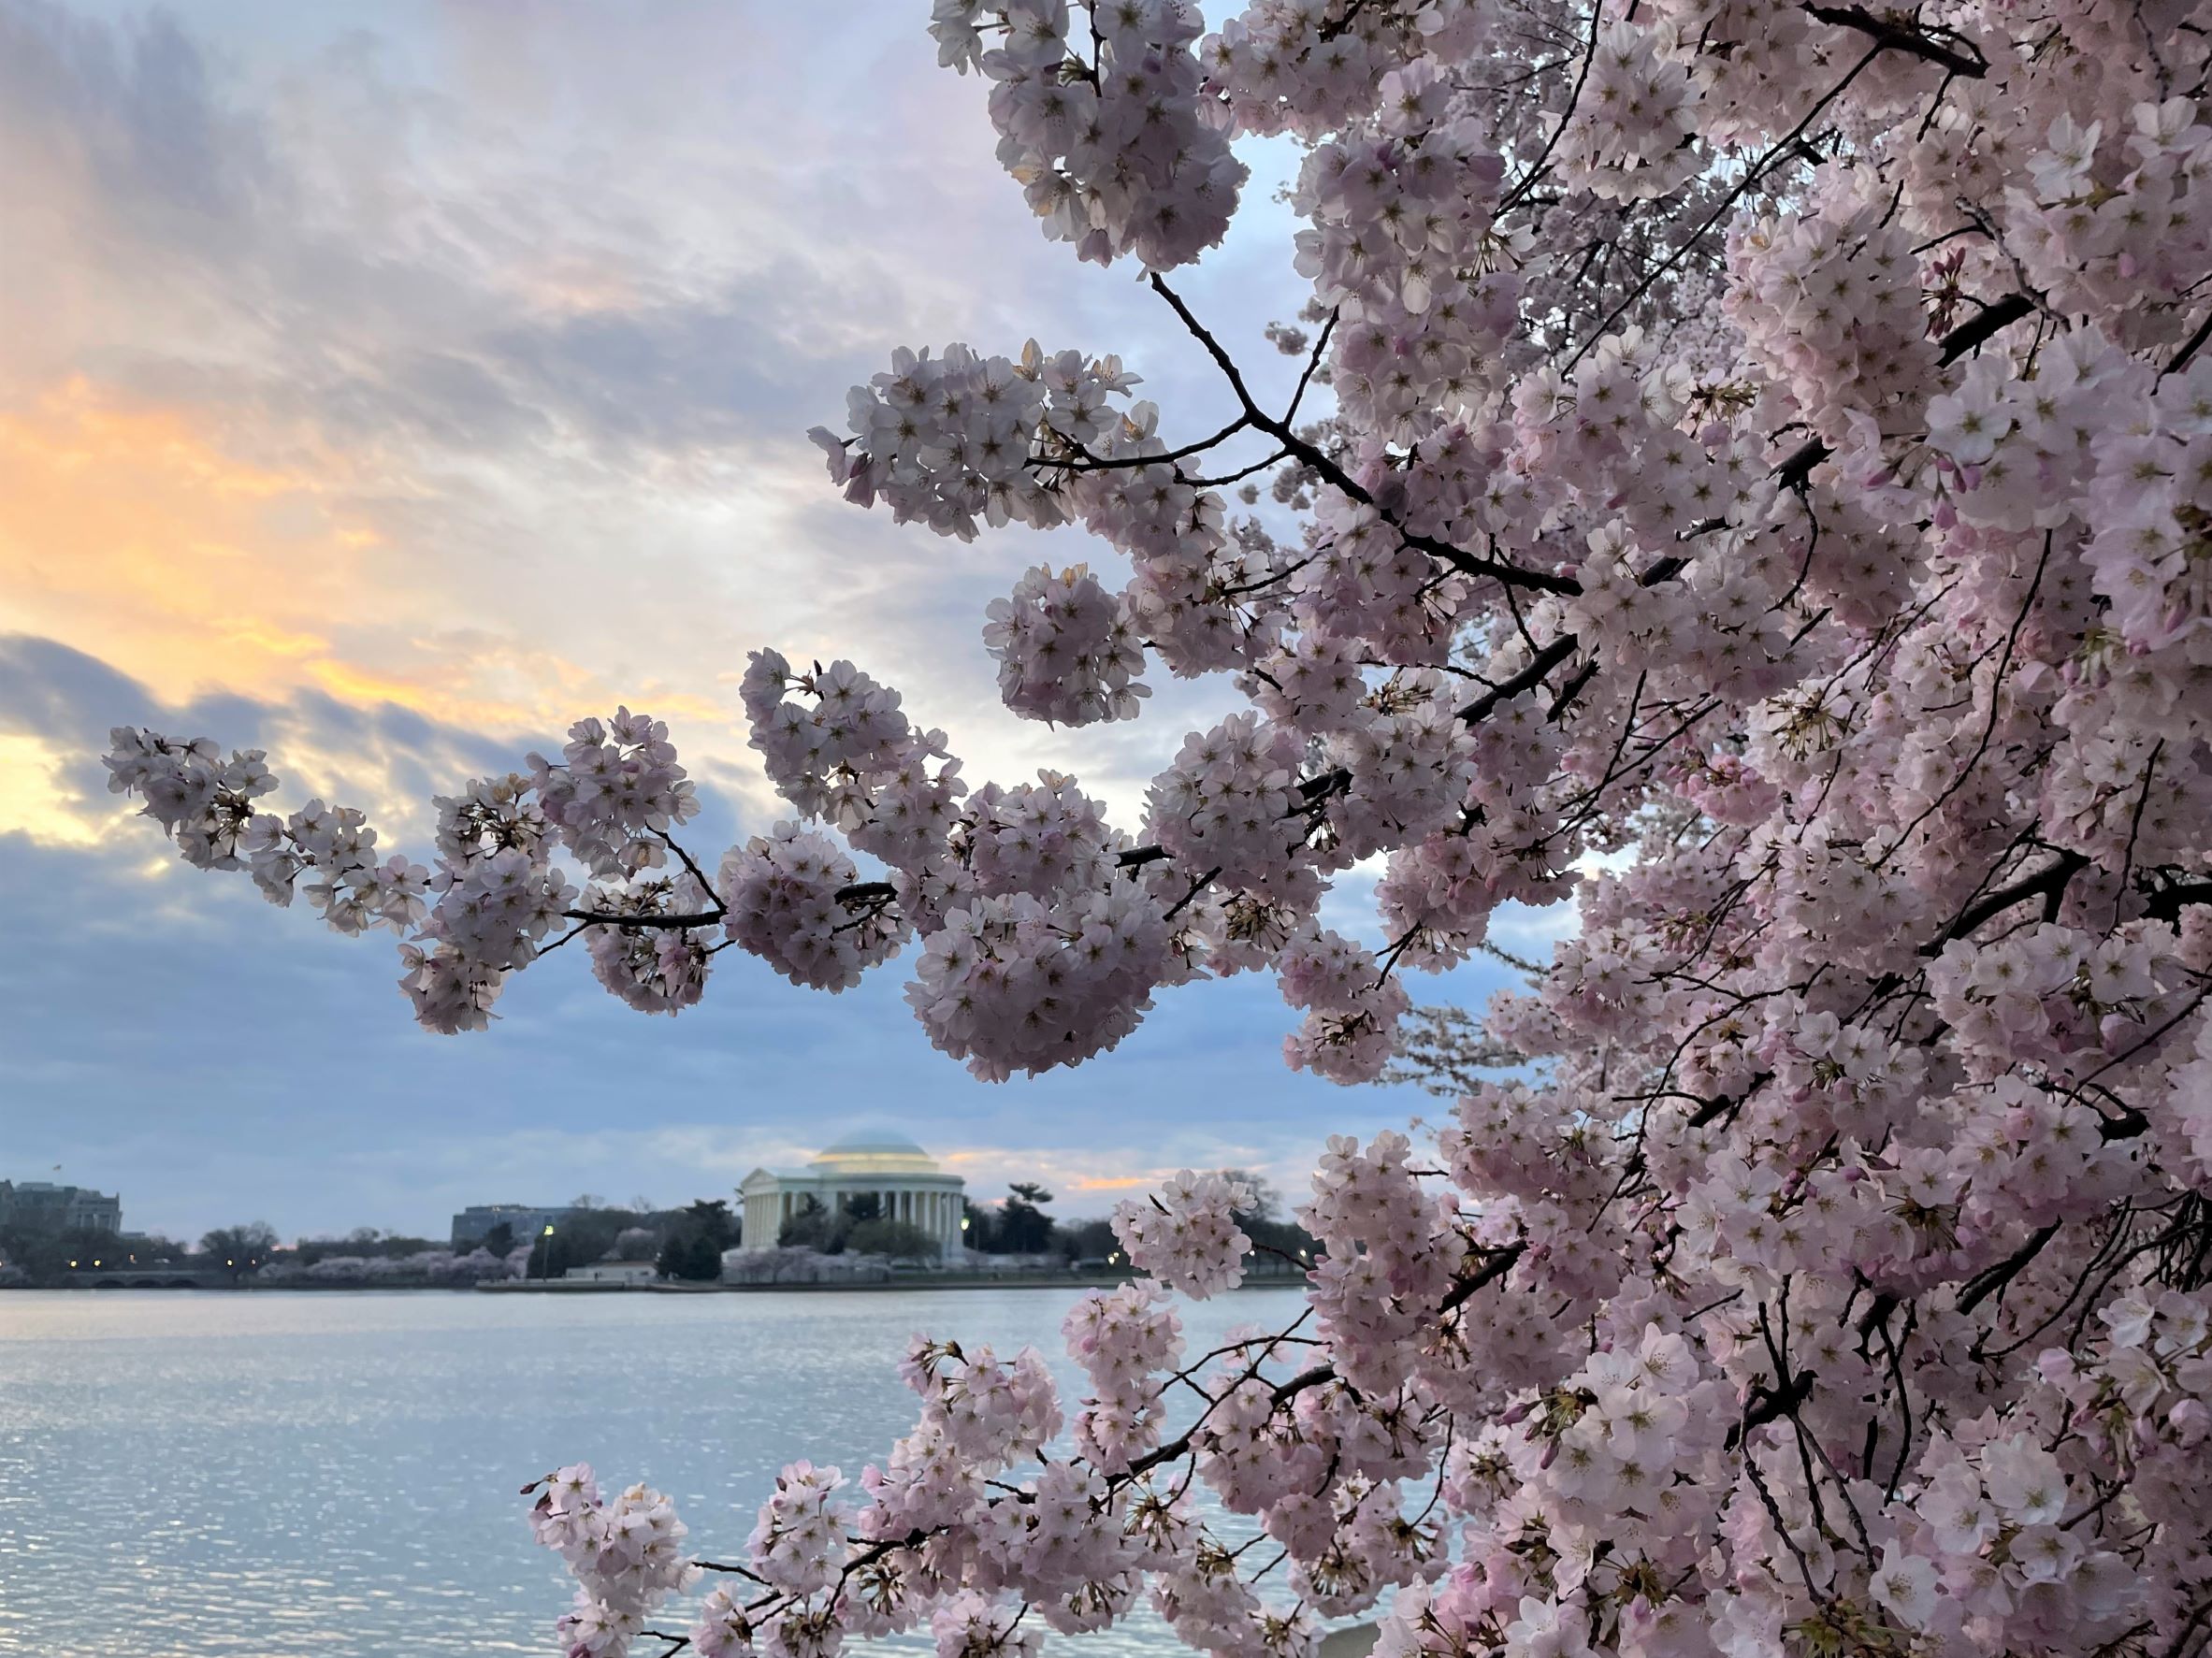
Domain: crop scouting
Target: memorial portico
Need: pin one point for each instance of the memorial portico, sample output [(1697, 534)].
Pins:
[(905, 1181)]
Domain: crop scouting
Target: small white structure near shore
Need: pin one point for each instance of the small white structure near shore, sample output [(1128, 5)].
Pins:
[(612, 1272), (905, 1179)]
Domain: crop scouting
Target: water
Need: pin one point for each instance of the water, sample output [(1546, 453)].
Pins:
[(186, 1474)]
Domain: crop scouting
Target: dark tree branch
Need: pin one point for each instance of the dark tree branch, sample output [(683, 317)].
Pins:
[(1901, 36), (1768, 1404), (1499, 1264), (1720, 1105), (1312, 455), (2167, 903), (2050, 880), (1321, 345), (2190, 348), (1519, 193), (602, 918), (1795, 469), (1990, 320), (1752, 175), (1084, 461), (1544, 661), (1983, 1285), (1282, 1395)]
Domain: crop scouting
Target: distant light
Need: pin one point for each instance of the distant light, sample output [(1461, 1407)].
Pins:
[(230, 1264), (73, 1264), (549, 1231), (96, 1264), (963, 1223)]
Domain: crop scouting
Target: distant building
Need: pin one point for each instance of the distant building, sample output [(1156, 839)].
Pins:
[(38, 1206), (611, 1272), (904, 1178), (525, 1221)]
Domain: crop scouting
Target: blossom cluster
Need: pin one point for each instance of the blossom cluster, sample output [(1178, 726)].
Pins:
[(1186, 1235), (1109, 139), (782, 892), (1067, 649), (627, 1554), (1125, 1341)]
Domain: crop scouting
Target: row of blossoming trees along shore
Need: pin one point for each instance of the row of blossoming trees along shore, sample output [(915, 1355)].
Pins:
[(1765, 445)]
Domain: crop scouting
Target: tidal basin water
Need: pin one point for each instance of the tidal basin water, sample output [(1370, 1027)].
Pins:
[(275, 1472)]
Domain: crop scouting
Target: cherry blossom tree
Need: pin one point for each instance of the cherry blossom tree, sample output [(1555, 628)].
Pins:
[(1748, 469)]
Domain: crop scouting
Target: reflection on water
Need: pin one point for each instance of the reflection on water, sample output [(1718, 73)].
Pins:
[(290, 1473)]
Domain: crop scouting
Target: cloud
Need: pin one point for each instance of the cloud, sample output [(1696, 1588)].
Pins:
[(384, 380), (35, 801)]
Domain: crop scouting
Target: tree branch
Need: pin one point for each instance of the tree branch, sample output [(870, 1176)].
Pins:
[(1542, 663), (1903, 36), (1512, 575), (1985, 1284), (2167, 903), (1499, 1264), (1991, 319), (2049, 881), (1086, 462), (1770, 1405), (1282, 1395), (601, 918), (2189, 347)]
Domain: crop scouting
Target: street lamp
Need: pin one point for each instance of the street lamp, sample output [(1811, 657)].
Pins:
[(546, 1256)]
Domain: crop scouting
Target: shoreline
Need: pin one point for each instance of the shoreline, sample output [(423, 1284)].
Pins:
[(945, 1281)]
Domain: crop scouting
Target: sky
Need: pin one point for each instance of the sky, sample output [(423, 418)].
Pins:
[(388, 387)]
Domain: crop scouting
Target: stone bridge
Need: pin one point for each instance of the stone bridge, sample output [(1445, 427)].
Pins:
[(146, 1277)]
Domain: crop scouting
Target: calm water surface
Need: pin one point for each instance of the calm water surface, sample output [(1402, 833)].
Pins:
[(184, 1474)]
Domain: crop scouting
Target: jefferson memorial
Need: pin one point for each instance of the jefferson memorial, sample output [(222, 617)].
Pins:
[(902, 1175)]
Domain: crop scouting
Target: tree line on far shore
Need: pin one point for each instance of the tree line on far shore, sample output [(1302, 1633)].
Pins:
[(685, 1244)]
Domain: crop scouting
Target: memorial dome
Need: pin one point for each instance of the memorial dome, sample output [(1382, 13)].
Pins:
[(874, 1151)]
